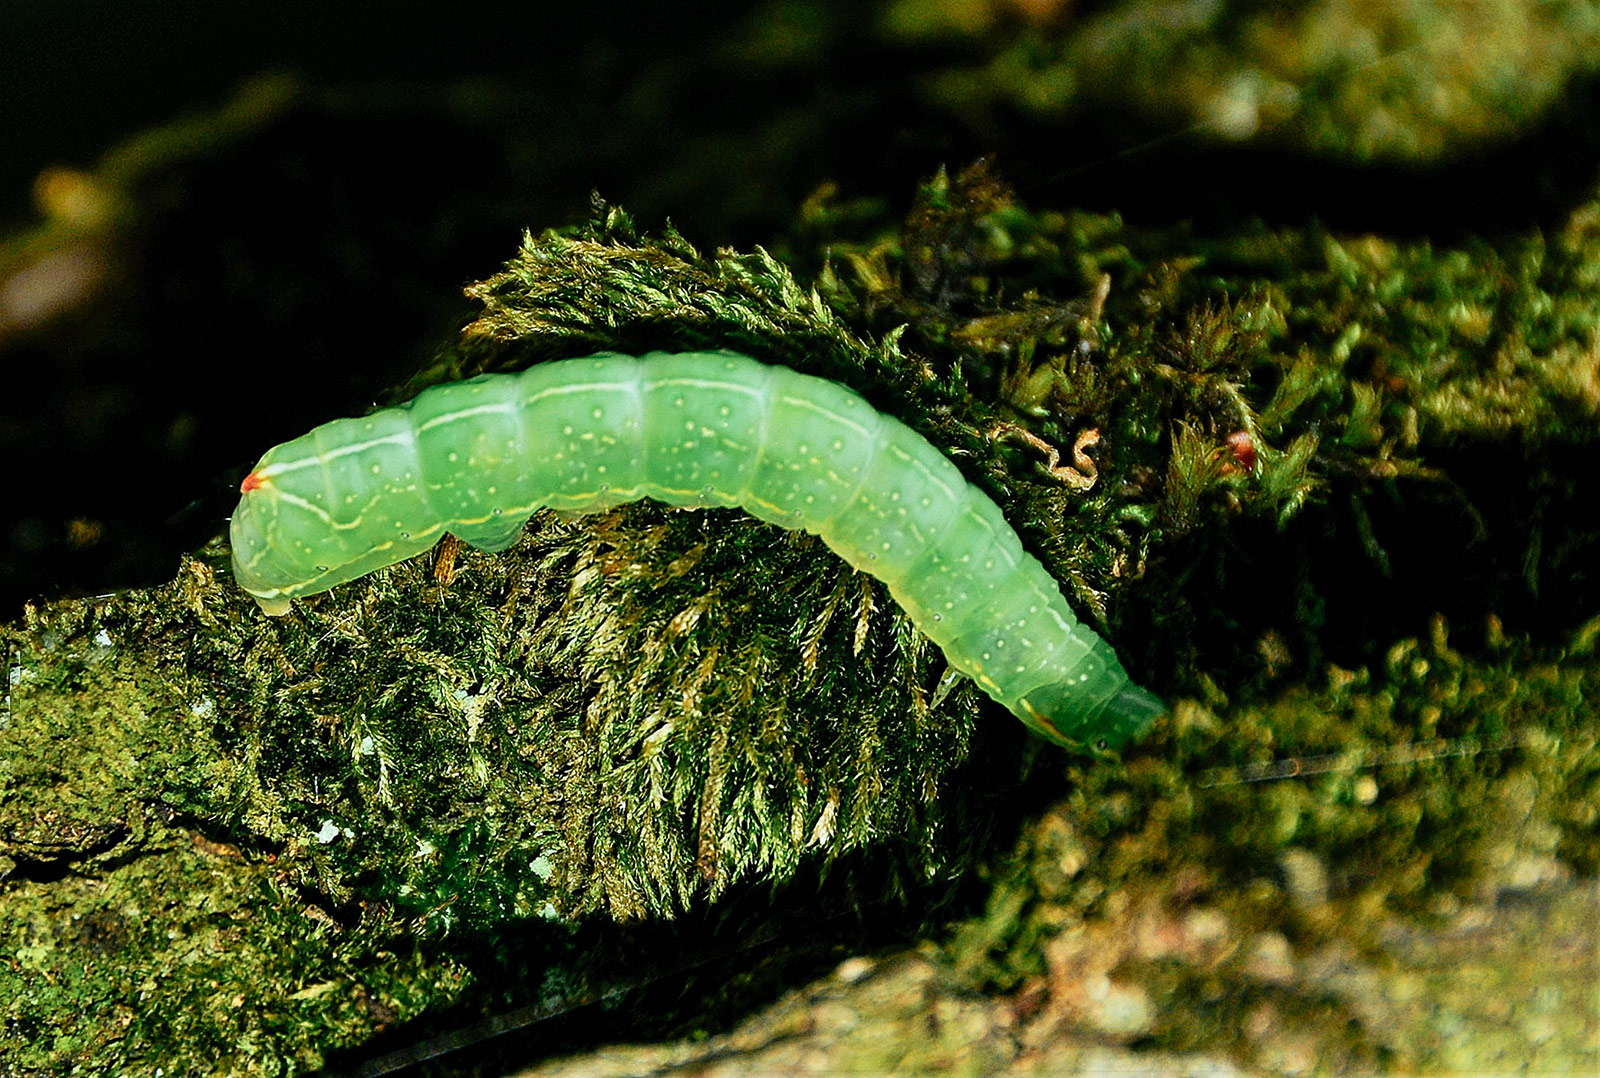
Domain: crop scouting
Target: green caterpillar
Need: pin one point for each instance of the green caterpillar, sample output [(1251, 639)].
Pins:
[(476, 458)]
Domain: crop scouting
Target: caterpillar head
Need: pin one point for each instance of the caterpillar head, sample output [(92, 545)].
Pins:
[(307, 521)]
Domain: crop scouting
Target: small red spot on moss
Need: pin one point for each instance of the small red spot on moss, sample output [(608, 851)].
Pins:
[(1243, 449)]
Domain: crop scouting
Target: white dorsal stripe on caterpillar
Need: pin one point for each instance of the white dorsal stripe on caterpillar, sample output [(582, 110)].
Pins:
[(476, 458)]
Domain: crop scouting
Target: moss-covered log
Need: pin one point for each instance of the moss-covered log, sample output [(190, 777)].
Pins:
[(239, 844)]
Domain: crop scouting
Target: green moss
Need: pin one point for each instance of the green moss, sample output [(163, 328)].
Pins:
[(1411, 80), (1398, 797), (134, 944)]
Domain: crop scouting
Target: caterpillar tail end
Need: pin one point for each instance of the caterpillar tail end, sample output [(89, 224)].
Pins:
[(1129, 714), (1113, 724)]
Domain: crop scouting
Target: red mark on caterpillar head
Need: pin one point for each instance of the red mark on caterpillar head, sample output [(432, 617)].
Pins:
[(251, 482)]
